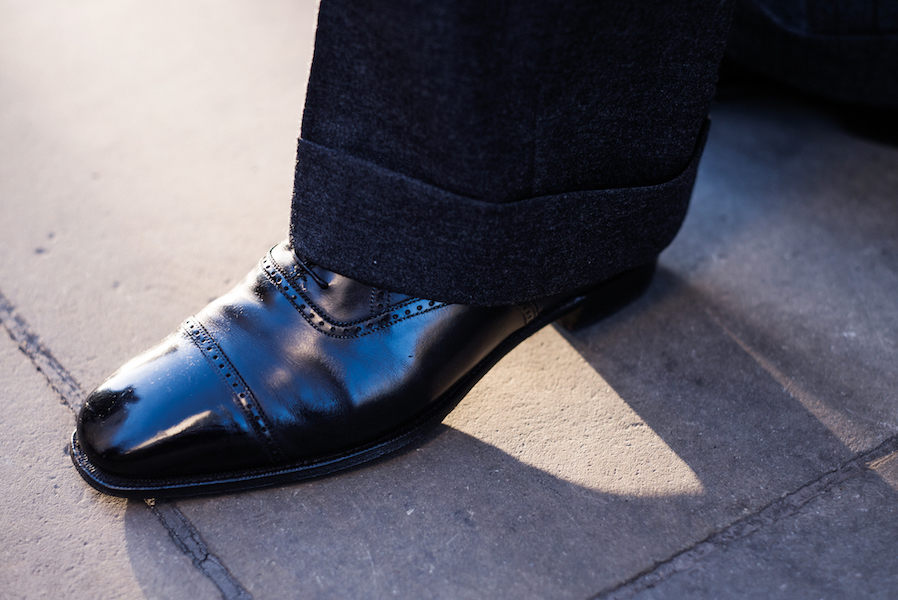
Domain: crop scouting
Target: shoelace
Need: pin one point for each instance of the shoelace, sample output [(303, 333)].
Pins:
[(310, 272)]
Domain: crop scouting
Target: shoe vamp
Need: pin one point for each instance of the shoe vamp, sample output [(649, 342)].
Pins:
[(325, 392)]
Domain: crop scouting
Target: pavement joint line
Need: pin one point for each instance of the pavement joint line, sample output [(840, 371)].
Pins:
[(62, 382), (785, 506), (182, 532), (188, 539)]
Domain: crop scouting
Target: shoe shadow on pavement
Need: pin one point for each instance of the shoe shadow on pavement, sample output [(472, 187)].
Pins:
[(537, 487)]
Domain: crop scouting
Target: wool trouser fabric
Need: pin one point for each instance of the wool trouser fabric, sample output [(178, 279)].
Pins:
[(497, 152)]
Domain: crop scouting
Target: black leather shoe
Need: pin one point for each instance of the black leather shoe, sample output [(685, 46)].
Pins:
[(295, 373)]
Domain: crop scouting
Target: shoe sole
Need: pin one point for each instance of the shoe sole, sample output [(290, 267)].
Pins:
[(575, 313)]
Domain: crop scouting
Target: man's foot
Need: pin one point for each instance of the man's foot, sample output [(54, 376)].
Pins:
[(295, 373)]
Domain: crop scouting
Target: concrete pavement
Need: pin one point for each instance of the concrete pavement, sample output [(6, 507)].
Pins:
[(732, 434)]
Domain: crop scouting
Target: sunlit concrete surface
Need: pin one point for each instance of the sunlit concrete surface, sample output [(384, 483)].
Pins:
[(731, 434), (567, 421)]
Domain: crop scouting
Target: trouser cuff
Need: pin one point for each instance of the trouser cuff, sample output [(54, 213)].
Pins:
[(402, 234)]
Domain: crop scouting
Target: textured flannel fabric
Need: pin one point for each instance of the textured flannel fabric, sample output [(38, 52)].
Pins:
[(496, 152)]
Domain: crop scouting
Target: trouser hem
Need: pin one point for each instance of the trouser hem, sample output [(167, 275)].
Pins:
[(402, 234)]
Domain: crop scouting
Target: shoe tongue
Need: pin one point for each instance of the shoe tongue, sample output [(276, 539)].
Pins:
[(344, 299)]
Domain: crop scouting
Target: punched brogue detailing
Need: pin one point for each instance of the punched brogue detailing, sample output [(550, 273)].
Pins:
[(285, 279), (379, 301), (243, 395)]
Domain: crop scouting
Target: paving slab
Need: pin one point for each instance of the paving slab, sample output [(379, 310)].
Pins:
[(841, 544), (148, 161), (142, 184), (65, 541), (794, 232)]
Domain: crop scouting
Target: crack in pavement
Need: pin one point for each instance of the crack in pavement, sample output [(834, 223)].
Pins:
[(182, 532), (784, 506)]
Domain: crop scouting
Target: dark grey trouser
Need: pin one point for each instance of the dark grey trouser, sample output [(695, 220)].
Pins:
[(490, 152)]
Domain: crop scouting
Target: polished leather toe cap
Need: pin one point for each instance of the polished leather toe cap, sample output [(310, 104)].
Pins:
[(168, 413)]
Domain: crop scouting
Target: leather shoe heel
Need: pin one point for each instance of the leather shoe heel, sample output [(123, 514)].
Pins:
[(610, 297)]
